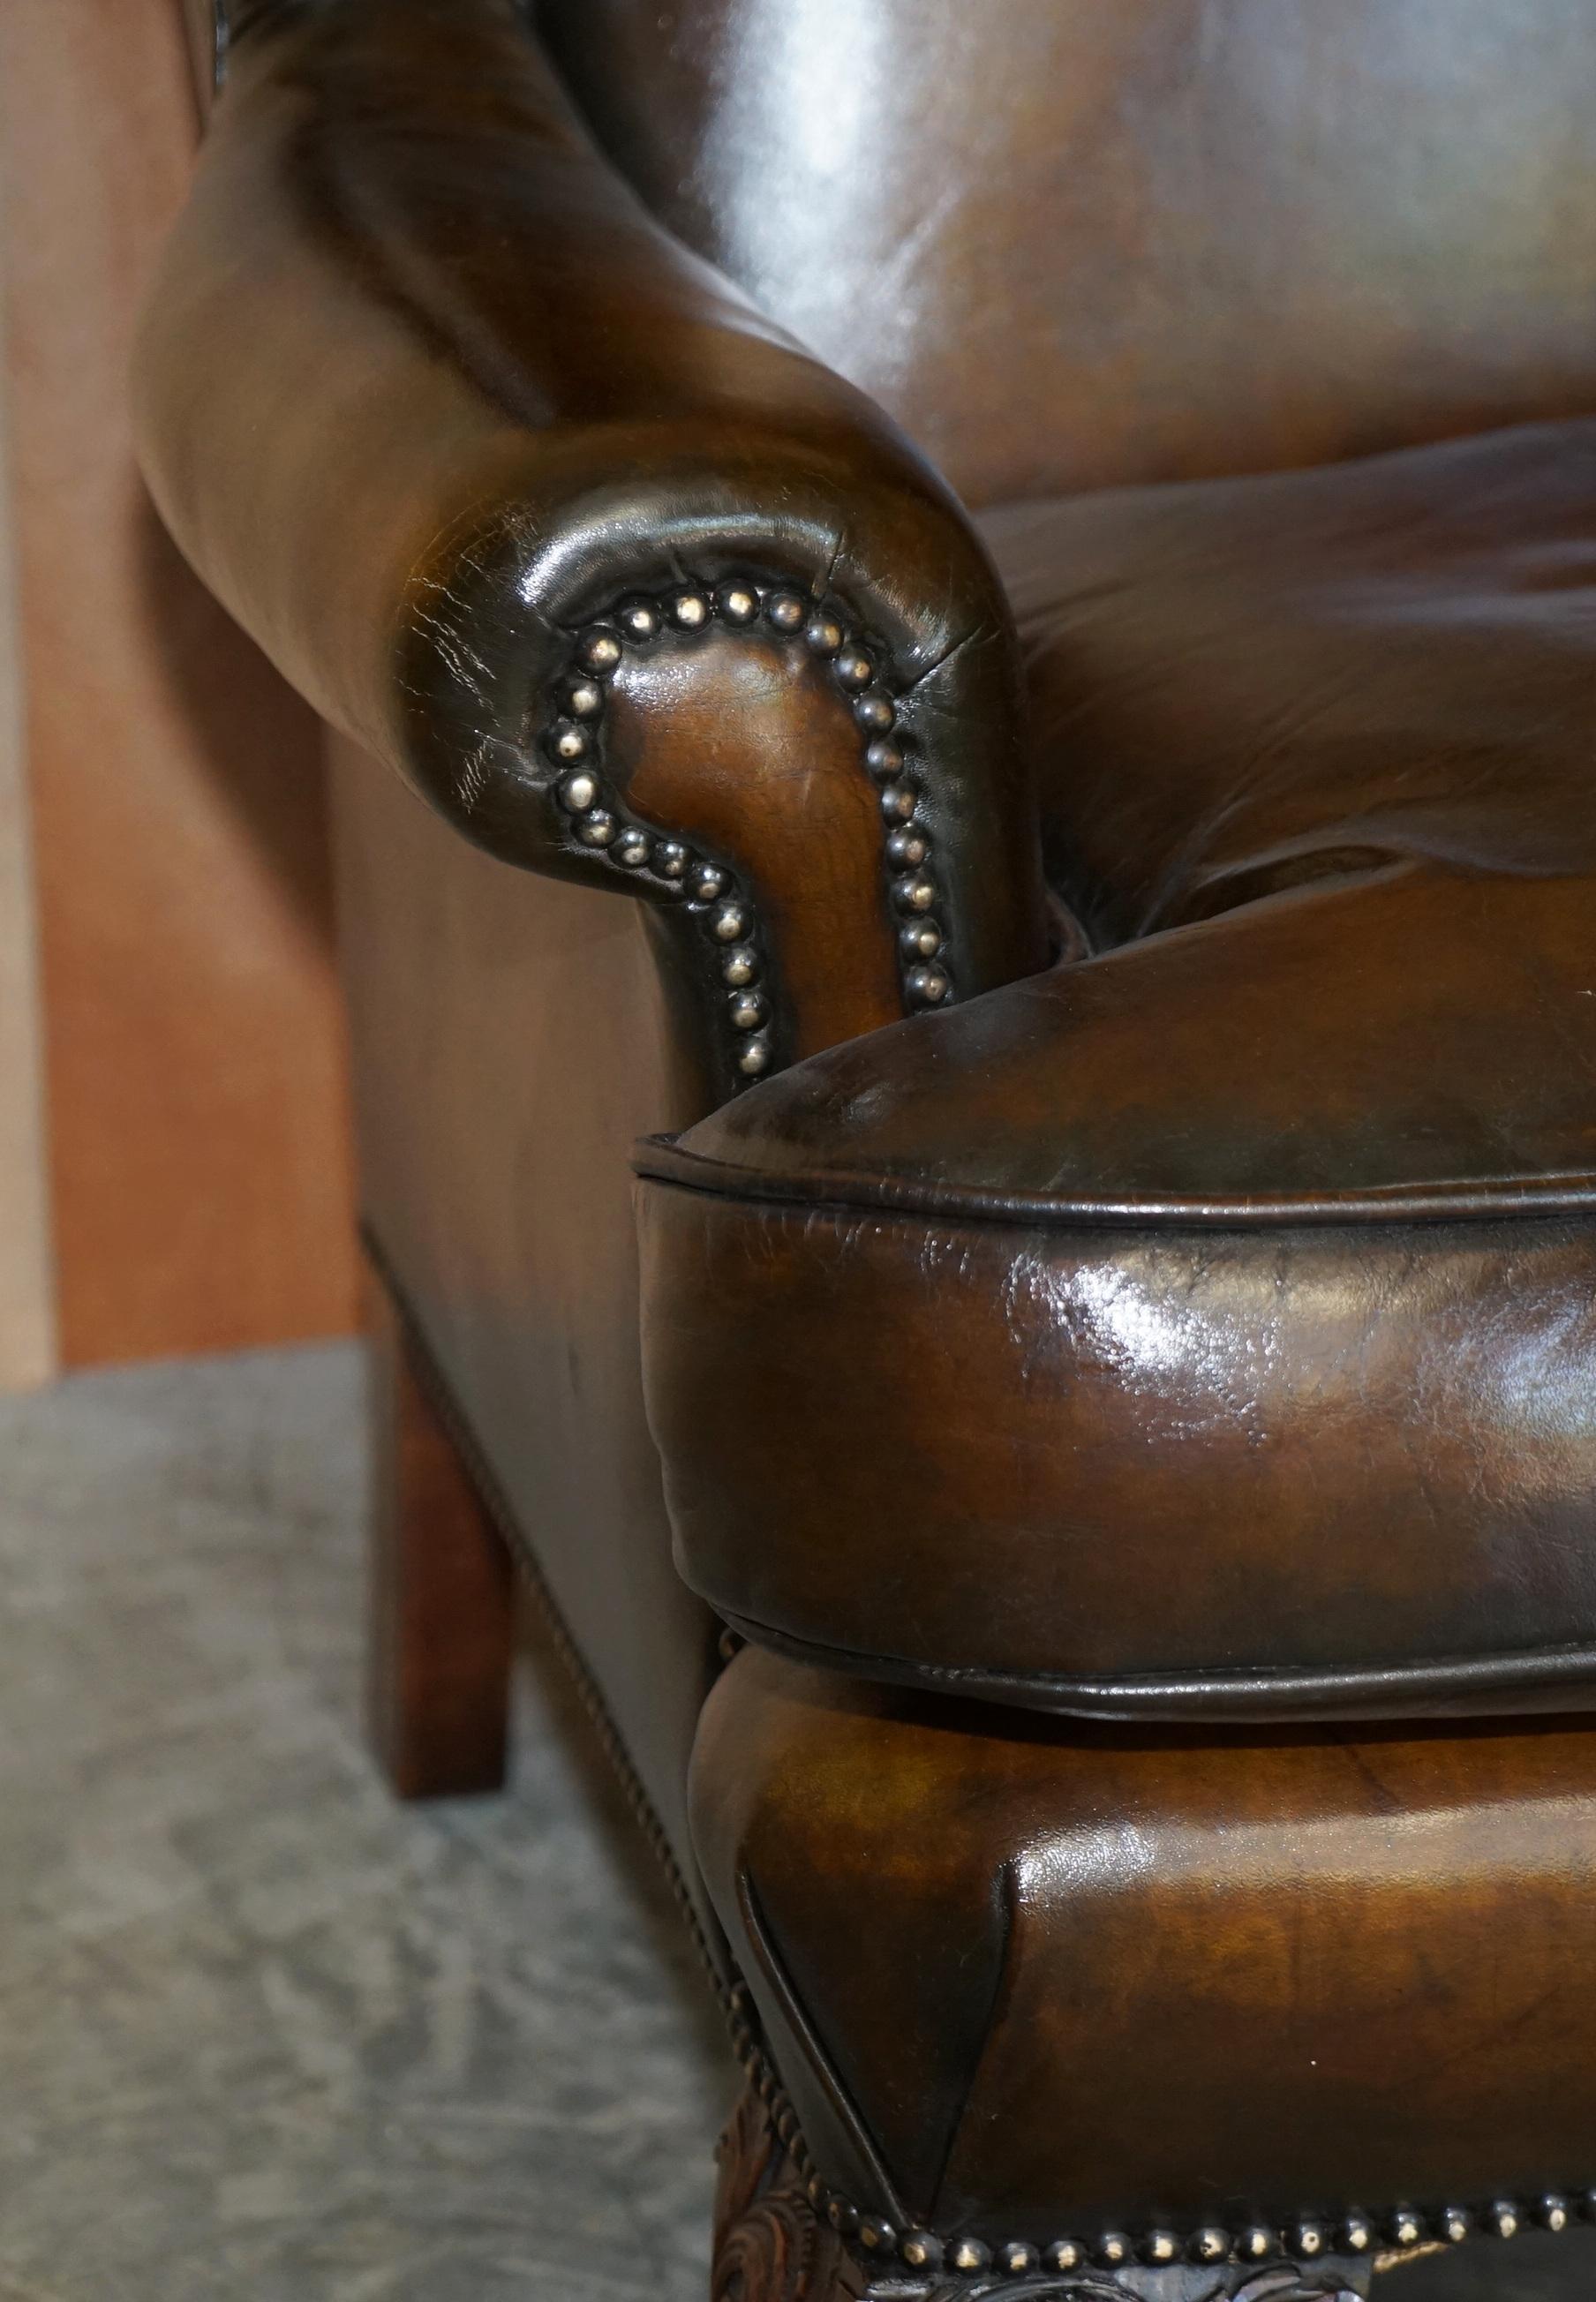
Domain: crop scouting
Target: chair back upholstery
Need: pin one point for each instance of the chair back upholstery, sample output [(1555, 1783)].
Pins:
[(1076, 241)]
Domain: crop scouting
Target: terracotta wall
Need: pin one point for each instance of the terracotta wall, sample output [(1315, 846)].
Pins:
[(195, 1140), (26, 1276)]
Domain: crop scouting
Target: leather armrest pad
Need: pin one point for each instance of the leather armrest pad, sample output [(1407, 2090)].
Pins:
[(421, 388)]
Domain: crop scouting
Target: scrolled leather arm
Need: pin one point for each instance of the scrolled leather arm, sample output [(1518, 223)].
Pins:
[(533, 504)]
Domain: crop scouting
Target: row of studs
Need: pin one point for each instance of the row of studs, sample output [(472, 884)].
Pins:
[(598, 823), (1309, 2240)]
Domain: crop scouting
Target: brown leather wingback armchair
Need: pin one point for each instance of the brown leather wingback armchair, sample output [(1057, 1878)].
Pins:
[(1108, 1003)]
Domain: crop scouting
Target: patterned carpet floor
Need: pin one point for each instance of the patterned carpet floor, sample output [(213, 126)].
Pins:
[(265, 2036)]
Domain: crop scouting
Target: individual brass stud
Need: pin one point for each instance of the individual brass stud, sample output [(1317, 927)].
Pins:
[(1210, 2244), (1357, 2233), (842, 2217), (823, 634), (748, 1010), (854, 668), (1159, 2249), (740, 965), (1017, 2258), (632, 848), (967, 2255), (1552, 2210), (1406, 2228), (921, 939), (874, 710), (597, 827), (689, 610), (585, 699), (1064, 2253), (899, 801), (739, 603), (599, 650), (707, 881), (921, 2250), (568, 741), (786, 2125), (1587, 2204), (876, 2236), (1257, 2242), (1502, 2217), (927, 987), (884, 757), (786, 611), (1309, 2239), (1455, 2223), (671, 859), (639, 620), (915, 893), (728, 923), (814, 2189), (906, 849), (753, 1057), (1113, 2249), (578, 791)]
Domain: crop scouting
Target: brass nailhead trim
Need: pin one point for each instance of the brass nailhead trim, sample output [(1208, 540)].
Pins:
[(599, 824), (1309, 2240)]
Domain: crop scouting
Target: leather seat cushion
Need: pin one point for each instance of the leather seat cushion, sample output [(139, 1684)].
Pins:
[(1041, 1978), (1209, 1325)]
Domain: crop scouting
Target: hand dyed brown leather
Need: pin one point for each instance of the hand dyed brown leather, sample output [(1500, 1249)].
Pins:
[(1242, 687), (460, 399), (1208, 1326), (1202, 1326), (1061, 1979), (1070, 242)]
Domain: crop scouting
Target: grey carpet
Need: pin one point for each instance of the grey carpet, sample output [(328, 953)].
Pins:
[(262, 2033), (266, 2034)]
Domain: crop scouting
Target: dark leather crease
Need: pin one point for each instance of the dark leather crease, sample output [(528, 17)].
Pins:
[(663, 1158), (1240, 686), (1557, 1680)]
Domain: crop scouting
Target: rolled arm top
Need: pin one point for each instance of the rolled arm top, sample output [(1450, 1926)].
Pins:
[(452, 426)]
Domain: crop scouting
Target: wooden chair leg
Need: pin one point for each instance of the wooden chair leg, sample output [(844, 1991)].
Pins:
[(442, 1593)]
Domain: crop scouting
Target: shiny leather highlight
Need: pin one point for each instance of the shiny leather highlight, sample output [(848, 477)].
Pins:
[(1068, 243), (1194, 1318), (1060, 1977), (1206, 1326), (460, 394)]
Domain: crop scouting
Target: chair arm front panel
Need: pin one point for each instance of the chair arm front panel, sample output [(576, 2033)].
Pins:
[(477, 452)]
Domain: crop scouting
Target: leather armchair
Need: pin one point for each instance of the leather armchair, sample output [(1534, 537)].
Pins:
[(1111, 1037)]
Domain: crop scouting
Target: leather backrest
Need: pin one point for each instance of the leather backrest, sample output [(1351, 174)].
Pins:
[(1077, 241)]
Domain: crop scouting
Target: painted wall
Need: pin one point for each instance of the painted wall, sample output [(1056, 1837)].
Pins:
[(170, 1019), (28, 1343)]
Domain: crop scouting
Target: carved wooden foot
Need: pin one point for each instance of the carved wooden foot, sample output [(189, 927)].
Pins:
[(772, 2245)]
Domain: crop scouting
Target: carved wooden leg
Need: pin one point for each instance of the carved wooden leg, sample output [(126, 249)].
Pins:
[(772, 2245), (442, 1594)]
